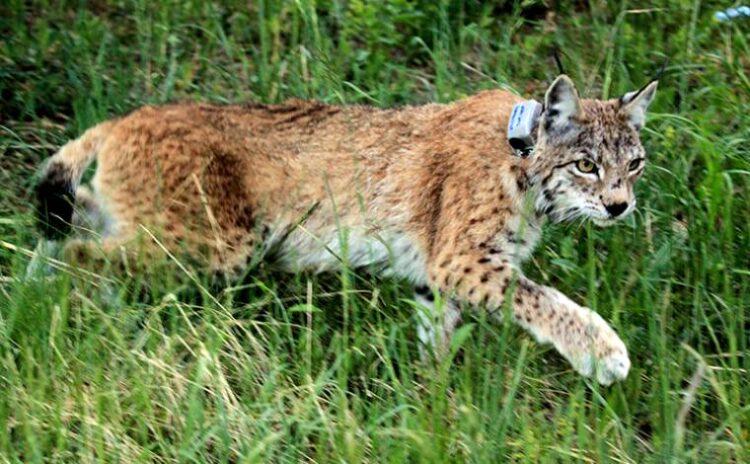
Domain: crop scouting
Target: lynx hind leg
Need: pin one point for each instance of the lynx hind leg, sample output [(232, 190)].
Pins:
[(230, 258), (121, 254), (39, 264), (93, 255), (87, 221), (435, 323)]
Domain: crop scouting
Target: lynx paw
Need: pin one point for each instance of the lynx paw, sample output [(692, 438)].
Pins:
[(603, 355), (613, 367)]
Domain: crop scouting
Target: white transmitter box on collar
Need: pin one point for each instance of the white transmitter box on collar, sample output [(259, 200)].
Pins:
[(520, 125)]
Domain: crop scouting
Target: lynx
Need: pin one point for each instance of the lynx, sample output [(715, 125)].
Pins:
[(431, 194)]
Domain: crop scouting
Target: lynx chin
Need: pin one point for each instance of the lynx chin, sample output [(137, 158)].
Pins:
[(431, 194)]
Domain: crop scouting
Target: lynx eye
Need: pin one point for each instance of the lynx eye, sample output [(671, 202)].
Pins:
[(586, 166), (635, 164)]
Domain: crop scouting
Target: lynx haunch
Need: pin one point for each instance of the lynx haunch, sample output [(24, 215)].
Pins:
[(429, 193)]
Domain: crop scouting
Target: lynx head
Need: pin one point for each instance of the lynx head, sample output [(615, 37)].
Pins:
[(588, 153)]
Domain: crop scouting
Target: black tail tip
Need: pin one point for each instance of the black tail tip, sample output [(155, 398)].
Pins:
[(54, 202)]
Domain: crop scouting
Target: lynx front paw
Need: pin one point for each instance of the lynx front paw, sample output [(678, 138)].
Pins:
[(613, 367), (601, 353)]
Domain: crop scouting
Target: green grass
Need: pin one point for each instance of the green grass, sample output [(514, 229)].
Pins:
[(325, 368)]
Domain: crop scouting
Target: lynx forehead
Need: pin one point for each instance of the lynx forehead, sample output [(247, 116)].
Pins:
[(428, 193)]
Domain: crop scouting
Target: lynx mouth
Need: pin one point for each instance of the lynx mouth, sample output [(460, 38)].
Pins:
[(605, 222)]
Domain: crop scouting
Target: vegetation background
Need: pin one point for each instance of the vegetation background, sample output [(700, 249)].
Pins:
[(325, 368)]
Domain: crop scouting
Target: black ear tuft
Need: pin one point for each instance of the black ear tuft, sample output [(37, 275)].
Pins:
[(633, 105)]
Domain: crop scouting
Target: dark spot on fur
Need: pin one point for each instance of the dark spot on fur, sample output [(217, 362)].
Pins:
[(224, 187), (522, 182), (314, 112), (423, 290), (483, 260), (485, 277), (274, 109)]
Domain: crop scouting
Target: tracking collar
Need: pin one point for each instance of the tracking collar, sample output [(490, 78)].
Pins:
[(521, 124)]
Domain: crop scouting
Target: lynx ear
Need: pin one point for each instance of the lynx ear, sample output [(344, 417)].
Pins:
[(633, 105), (561, 104)]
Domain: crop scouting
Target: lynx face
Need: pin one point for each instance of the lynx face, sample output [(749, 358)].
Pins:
[(589, 154)]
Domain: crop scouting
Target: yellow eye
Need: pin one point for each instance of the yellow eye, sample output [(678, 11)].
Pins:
[(586, 166)]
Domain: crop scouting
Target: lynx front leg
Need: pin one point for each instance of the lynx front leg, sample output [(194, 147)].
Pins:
[(578, 333), (436, 323)]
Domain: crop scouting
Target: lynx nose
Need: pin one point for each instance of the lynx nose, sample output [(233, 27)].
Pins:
[(616, 209)]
